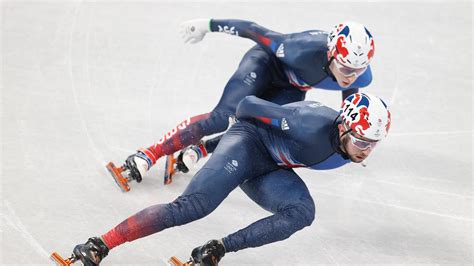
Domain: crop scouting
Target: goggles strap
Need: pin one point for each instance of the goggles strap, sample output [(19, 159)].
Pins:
[(338, 144), (328, 70), (346, 132)]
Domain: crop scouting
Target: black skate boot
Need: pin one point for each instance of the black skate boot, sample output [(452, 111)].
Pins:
[(92, 252), (190, 156), (186, 160), (180, 165), (209, 254), (133, 169)]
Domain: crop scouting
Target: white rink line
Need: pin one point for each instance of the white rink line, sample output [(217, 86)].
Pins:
[(432, 133), (14, 222), (425, 189), (344, 175), (399, 207)]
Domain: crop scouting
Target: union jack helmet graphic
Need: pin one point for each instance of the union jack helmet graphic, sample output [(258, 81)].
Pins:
[(351, 44), (367, 115)]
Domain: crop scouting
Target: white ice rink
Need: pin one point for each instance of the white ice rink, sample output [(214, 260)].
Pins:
[(84, 83)]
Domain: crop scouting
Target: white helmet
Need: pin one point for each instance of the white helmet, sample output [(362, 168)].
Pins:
[(351, 44), (367, 115)]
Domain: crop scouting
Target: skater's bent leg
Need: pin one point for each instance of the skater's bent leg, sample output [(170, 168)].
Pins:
[(251, 78), (156, 218), (239, 156), (196, 202), (187, 133), (208, 188), (211, 144), (283, 193)]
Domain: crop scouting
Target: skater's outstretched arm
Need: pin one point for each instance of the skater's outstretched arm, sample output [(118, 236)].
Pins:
[(194, 31), (250, 30)]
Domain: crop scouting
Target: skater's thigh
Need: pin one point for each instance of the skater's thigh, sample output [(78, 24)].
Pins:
[(251, 78), (239, 156), (277, 190)]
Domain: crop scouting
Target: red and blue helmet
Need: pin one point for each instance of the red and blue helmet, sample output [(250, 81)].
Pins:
[(367, 115), (351, 44)]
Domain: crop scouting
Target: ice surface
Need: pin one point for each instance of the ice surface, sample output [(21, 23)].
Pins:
[(84, 83)]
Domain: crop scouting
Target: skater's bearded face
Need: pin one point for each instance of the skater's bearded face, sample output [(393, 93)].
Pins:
[(354, 145)]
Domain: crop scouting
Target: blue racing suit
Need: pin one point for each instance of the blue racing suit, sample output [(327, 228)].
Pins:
[(257, 154)]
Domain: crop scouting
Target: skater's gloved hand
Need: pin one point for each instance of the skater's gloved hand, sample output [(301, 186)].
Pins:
[(193, 31)]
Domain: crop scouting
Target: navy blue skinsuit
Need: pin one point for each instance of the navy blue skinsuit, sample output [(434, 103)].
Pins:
[(256, 154), (280, 69)]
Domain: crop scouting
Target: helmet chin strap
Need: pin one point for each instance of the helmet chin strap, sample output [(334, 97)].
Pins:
[(340, 138), (328, 70)]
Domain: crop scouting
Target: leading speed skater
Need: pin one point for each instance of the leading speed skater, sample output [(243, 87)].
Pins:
[(258, 154)]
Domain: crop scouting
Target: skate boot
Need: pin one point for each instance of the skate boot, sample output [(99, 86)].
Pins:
[(190, 156), (92, 252), (186, 160), (134, 168), (209, 254)]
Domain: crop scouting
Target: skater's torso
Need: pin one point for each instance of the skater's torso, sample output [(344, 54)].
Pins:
[(301, 134), (303, 55)]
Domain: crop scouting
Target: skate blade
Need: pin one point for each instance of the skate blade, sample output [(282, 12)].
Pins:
[(121, 181), (169, 169), (176, 262), (59, 260)]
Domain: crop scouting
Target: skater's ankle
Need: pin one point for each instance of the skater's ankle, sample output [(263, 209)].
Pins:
[(190, 156), (138, 164)]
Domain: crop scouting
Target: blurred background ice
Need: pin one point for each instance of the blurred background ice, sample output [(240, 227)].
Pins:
[(84, 83)]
